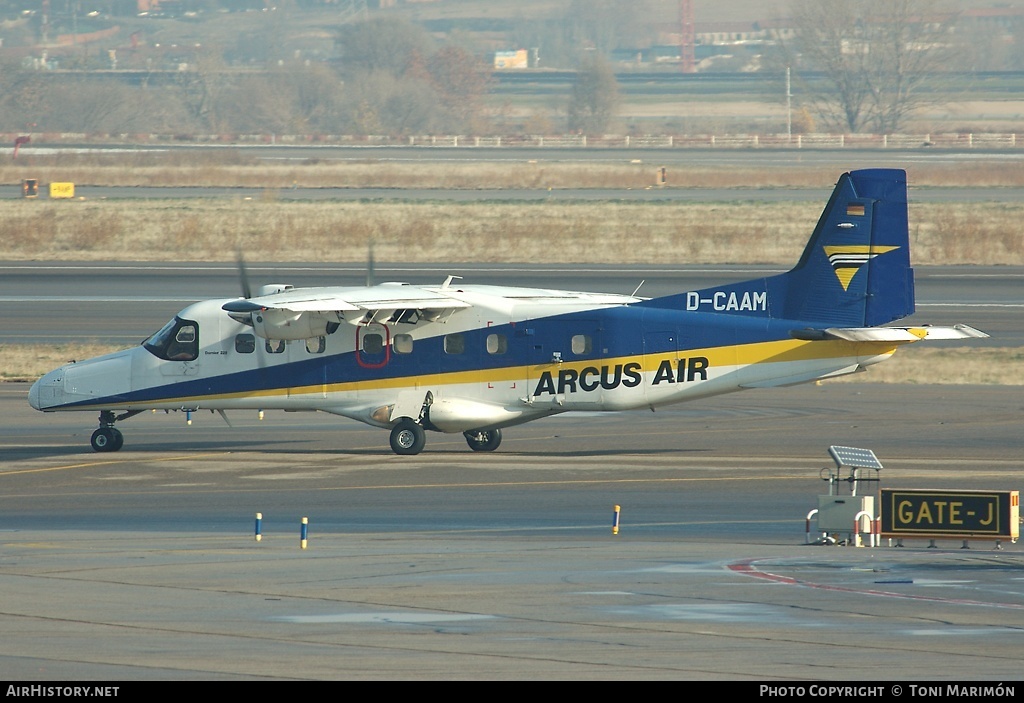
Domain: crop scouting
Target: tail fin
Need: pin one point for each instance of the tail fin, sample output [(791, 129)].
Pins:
[(854, 272)]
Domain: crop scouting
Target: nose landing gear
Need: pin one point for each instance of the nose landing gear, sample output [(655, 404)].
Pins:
[(107, 438)]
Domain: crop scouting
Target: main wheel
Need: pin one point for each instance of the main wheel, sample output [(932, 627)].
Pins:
[(106, 439), (483, 440), (408, 437)]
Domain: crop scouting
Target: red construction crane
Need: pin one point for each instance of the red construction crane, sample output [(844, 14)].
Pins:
[(44, 24), (687, 37)]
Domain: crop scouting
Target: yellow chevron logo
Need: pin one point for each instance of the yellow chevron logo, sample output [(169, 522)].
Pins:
[(846, 260)]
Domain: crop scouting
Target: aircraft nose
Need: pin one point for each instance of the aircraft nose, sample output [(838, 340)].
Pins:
[(46, 392), (33, 396)]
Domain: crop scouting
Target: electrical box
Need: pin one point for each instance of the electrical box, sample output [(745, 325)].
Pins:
[(837, 513)]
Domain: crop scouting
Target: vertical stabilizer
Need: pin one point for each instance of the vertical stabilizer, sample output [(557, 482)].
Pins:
[(854, 272)]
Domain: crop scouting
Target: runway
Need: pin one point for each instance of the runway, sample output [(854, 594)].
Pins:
[(144, 565)]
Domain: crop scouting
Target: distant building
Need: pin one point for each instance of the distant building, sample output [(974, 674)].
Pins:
[(1009, 19), (726, 33), (519, 58), (732, 33)]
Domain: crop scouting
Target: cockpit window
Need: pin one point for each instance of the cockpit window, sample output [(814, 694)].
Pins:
[(178, 340)]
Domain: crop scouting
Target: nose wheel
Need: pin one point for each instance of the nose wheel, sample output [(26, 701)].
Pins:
[(107, 439)]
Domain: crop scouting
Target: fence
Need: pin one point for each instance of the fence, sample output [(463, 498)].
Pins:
[(954, 141)]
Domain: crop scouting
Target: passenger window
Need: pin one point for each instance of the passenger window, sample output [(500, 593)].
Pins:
[(581, 344), (402, 343), (316, 345), (245, 343), (274, 346), (454, 343), (497, 344), (373, 343)]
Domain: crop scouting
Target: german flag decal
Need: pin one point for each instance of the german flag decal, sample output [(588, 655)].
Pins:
[(847, 260), (855, 209)]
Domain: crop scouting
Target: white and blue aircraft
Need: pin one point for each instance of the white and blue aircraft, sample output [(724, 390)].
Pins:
[(477, 359)]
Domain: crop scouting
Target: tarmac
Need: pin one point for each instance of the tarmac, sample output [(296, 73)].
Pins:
[(655, 546)]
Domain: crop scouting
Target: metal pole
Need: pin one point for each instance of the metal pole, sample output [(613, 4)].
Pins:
[(789, 108)]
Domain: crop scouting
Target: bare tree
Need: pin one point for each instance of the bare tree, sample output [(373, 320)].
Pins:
[(23, 97), (880, 60), (595, 96), (378, 102), (202, 87), (386, 44), (461, 80), (97, 106)]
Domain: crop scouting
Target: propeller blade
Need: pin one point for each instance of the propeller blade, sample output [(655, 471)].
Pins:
[(369, 267), (243, 276)]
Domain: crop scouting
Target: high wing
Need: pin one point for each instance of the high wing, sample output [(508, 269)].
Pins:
[(301, 313)]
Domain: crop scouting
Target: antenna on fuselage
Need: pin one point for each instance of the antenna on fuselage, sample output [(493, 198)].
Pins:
[(637, 289)]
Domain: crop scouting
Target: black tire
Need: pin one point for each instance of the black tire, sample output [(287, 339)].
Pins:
[(483, 440), (106, 439), (407, 437)]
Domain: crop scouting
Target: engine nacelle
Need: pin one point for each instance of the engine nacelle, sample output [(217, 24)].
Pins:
[(283, 324), (272, 288), (460, 415)]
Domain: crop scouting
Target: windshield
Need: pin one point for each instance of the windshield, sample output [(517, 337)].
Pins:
[(178, 340)]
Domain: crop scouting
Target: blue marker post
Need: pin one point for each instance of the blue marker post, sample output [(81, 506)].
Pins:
[(615, 521), (305, 528), (259, 519)]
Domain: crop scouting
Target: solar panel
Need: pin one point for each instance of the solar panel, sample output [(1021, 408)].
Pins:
[(852, 456)]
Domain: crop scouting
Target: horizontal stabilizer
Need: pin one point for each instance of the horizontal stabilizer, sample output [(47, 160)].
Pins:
[(958, 331), (891, 334)]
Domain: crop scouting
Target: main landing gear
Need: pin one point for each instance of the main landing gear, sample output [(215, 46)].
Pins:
[(483, 440), (408, 437)]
